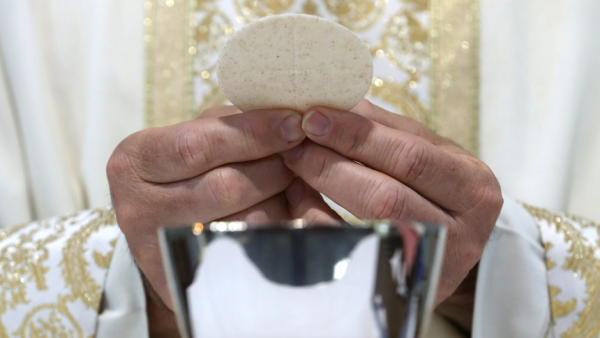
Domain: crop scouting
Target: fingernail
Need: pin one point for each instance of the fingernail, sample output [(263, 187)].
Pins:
[(293, 154), (294, 193), (316, 123), (291, 128)]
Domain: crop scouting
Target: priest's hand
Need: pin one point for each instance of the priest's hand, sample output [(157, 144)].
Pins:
[(222, 166), (380, 165)]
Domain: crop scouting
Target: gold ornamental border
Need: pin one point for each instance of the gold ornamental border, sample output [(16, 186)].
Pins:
[(170, 50), (454, 66), (454, 57)]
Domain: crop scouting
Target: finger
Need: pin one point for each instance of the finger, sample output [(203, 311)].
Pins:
[(362, 191), (308, 204), (270, 211), (396, 121), (188, 149), (220, 192), (432, 172)]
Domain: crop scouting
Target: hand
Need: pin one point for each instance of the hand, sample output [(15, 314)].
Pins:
[(404, 172), (199, 171), (301, 200)]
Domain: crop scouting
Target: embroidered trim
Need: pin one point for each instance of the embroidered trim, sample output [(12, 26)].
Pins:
[(582, 260), (30, 257)]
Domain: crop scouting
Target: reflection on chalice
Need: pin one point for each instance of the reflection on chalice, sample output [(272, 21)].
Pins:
[(235, 279)]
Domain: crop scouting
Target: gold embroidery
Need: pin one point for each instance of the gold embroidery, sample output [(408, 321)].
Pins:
[(103, 261), (74, 264), (397, 95), (12, 230), (586, 223), (170, 48), (582, 261), (454, 89), (550, 263), (560, 308), (212, 31), (23, 261), (404, 41), (357, 15), (50, 321), (309, 7), (24, 264), (250, 10), (404, 46)]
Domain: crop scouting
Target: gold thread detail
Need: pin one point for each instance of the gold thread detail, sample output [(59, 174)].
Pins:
[(583, 263), (251, 10), (59, 323), (170, 48), (75, 267), (454, 87), (103, 260), (357, 15), (23, 263), (560, 308)]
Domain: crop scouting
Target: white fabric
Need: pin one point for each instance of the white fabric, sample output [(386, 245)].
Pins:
[(72, 89), (540, 111), (512, 291), (13, 174), (53, 272), (123, 305)]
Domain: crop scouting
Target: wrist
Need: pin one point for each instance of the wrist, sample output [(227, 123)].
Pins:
[(459, 307), (161, 320)]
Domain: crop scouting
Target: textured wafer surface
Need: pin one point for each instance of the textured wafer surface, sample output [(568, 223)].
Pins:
[(294, 61)]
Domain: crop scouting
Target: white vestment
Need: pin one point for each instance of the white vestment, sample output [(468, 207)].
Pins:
[(72, 86)]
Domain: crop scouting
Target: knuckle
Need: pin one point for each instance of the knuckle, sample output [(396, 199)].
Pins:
[(123, 161), (387, 201), (116, 165), (487, 188), (320, 167), (226, 188), (351, 138), (193, 147), (254, 131), (411, 160), (489, 195), (485, 202)]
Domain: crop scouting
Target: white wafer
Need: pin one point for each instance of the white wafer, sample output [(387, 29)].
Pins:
[(294, 61)]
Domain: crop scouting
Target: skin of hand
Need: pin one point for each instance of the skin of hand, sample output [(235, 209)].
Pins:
[(222, 166), (400, 170)]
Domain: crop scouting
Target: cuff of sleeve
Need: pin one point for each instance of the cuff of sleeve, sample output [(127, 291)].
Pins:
[(511, 298)]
